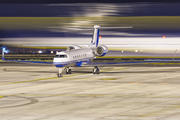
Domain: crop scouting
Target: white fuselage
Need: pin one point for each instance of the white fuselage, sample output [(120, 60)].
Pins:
[(73, 57)]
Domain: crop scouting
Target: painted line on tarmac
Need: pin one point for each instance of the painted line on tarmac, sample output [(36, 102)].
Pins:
[(86, 114), (2, 96), (97, 95), (112, 69), (111, 78), (169, 108), (40, 79)]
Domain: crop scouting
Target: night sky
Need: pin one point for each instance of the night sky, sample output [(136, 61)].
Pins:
[(82, 1)]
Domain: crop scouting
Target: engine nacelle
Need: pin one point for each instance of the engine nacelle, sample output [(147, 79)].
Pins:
[(73, 47), (101, 50)]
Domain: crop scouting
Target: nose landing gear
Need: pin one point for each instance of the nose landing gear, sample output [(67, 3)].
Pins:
[(68, 71), (96, 70), (60, 72)]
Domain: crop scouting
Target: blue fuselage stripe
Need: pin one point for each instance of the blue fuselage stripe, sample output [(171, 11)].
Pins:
[(76, 62)]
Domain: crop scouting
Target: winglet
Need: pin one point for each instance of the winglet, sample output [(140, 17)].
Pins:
[(3, 49)]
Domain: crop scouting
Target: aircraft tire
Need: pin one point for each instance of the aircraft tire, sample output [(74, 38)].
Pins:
[(69, 71), (59, 75), (94, 71)]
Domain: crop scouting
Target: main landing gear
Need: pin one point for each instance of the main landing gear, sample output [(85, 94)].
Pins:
[(96, 70), (68, 71)]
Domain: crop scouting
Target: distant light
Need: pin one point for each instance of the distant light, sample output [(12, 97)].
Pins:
[(136, 50), (56, 52), (122, 51), (40, 51), (52, 52), (141, 50), (164, 36), (100, 37)]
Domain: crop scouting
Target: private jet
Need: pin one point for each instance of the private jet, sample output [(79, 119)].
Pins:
[(76, 56)]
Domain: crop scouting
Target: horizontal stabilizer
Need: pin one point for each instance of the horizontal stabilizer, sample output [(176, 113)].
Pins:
[(99, 27)]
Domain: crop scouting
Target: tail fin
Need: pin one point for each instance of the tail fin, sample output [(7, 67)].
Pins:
[(3, 50), (95, 38)]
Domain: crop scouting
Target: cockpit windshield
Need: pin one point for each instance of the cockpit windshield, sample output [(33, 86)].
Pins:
[(61, 56)]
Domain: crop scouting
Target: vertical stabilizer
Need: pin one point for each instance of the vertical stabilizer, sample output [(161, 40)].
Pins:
[(95, 38), (3, 49)]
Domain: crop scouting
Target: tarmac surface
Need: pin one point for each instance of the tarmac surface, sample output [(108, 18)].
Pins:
[(33, 92)]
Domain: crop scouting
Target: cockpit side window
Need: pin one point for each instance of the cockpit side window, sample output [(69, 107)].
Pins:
[(61, 56), (56, 56)]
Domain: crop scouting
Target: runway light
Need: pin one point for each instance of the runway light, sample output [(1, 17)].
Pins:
[(40, 51), (164, 36), (52, 52), (136, 50)]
